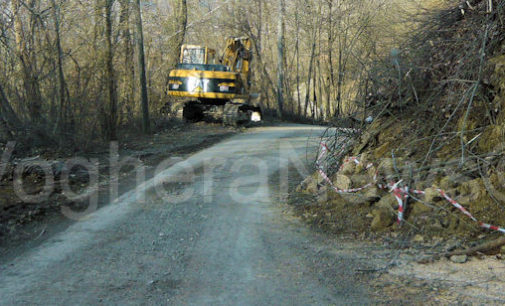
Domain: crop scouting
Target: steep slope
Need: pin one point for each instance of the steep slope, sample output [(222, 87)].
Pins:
[(438, 129)]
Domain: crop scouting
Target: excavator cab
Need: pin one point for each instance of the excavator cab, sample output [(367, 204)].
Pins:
[(199, 58), (198, 55)]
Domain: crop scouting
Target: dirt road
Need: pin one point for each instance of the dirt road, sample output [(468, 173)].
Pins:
[(208, 230)]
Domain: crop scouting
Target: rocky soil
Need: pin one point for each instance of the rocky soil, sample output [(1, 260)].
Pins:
[(438, 122), (411, 260)]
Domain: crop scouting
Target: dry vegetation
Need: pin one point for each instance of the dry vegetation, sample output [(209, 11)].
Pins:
[(438, 109), (73, 64)]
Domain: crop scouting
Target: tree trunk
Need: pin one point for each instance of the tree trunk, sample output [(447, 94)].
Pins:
[(61, 75), (181, 20), (319, 79), (339, 83), (181, 24), (7, 113), (128, 86), (109, 74), (30, 81), (314, 97), (259, 44), (309, 76), (297, 50), (142, 68), (331, 84), (266, 76), (280, 63)]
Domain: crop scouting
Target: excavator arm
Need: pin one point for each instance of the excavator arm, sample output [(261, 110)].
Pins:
[(237, 55)]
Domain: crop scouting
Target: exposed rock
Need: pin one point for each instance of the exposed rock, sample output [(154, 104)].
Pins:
[(371, 195), (419, 208), (382, 218), (453, 222), (459, 258), (348, 168), (360, 168), (372, 171), (418, 239), (450, 221), (388, 202), (448, 182), (364, 198), (322, 195), (360, 180), (445, 221), (384, 149), (474, 188), (466, 201), (435, 240), (497, 180), (342, 181), (386, 166), (310, 184), (383, 214), (369, 136), (435, 224), (491, 138), (432, 195)]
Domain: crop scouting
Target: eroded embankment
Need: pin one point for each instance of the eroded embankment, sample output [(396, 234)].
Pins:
[(437, 138)]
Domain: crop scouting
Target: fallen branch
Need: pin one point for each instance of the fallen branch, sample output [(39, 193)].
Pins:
[(480, 248), (471, 251)]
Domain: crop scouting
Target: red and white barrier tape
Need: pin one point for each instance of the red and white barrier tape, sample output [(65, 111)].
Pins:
[(324, 151), (466, 212), (400, 193)]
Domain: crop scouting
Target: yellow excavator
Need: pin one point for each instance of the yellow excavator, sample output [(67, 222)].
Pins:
[(212, 89)]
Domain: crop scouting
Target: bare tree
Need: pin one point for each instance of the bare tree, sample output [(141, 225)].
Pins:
[(7, 114), (111, 116), (142, 68), (280, 54), (61, 75), (181, 19), (77, 63), (297, 50), (128, 79), (24, 54)]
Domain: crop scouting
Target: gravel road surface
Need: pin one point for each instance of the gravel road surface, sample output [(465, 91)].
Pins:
[(207, 230)]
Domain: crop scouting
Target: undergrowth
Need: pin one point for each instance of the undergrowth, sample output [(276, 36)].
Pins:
[(438, 110)]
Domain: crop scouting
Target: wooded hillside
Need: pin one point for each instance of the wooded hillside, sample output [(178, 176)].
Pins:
[(72, 71)]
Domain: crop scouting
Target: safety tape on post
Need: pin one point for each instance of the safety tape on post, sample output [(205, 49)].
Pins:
[(336, 189), (460, 207), (400, 193), (399, 198), (457, 205), (467, 213), (324, 151)]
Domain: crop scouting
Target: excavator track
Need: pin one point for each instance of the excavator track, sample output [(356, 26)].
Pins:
[(230, 113)]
